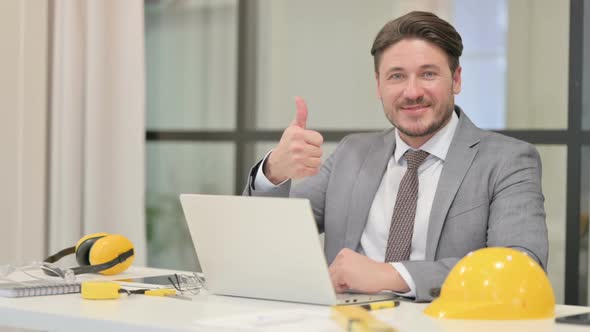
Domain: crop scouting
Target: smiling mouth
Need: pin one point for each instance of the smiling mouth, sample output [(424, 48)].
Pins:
[(414, 108)]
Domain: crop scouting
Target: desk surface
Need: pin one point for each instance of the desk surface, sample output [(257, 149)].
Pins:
[(219, 313)]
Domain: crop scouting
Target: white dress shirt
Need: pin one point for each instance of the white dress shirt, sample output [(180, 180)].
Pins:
[(376, 233)]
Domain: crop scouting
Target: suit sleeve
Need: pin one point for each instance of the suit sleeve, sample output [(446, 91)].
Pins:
[(313, 188), (281, 190), (516, 219)]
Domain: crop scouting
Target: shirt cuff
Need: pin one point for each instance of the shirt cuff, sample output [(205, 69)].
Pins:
[(403, 272), (261, 182)]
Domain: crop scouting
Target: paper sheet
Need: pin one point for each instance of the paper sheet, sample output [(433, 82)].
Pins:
[(281, 320)]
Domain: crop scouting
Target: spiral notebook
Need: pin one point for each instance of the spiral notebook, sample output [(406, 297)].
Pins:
[(37, 288)]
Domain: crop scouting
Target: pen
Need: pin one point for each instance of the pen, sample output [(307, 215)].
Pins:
[(380, 305), (169, 292)]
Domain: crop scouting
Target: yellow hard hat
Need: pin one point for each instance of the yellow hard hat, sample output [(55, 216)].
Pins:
[(495, 283)]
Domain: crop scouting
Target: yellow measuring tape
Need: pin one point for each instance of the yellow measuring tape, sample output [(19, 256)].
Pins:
[(107, 290), (357, 319)]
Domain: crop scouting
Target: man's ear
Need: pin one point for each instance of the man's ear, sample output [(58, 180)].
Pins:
[(457, 80), (378, 85)]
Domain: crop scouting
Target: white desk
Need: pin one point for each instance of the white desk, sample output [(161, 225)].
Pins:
[(145, 313)]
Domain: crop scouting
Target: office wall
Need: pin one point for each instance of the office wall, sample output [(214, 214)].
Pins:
[(537, 98), (23, 119), (538, 58)]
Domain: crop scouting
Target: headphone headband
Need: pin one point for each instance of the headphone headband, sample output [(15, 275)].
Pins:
[(60, 254), (101, 267), (90, 268), (93, 260)]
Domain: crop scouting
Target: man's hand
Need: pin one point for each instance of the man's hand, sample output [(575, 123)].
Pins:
[(299, 150), (351, 270)]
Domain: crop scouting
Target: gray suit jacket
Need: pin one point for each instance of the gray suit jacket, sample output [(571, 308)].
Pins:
[(489, 194)]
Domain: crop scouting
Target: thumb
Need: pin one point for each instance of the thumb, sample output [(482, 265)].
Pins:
[(301, 113)]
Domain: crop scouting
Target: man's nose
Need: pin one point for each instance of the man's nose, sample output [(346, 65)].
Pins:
[(413, 90)]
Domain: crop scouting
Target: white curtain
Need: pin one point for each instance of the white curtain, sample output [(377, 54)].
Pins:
[(97, 122)]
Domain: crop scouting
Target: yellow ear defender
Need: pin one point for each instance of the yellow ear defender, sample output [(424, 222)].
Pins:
[(98, 253)]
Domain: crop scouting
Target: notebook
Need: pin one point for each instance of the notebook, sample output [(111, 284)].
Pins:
[(37, 288), (263, 247)]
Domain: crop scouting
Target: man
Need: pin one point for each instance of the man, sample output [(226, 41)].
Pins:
[(399, 208)]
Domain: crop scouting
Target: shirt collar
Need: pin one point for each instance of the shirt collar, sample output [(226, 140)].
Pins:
[(438, 145)]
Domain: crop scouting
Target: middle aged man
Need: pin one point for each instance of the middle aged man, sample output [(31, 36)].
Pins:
[(399, 208)]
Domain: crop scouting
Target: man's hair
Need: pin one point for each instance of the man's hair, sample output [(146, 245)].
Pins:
[(419, 25)]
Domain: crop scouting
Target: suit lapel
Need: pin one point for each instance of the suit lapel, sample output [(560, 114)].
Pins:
[(461, 153), (366, 185)]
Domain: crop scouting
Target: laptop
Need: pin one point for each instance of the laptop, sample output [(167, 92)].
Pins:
[(263, 247)]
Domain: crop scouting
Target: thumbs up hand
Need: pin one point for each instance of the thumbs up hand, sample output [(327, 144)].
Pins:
[(299, 151)]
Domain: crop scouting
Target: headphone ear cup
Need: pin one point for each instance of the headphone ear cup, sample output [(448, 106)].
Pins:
[(109, 247), (84, 246)]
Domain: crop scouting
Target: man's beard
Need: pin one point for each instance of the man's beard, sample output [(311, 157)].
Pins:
[(432, 128)]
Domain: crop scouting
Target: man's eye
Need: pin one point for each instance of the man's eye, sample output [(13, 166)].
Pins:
[(396, 76), (429, 74)]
